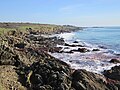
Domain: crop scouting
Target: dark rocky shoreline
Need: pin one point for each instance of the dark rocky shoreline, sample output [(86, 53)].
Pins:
[(24, 56)]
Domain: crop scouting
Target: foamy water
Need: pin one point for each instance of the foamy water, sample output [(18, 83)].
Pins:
[(84, 61), (93, 61)]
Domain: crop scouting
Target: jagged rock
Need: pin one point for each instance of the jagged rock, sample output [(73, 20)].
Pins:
[(83, 50), (103, 47), (44, 87), (78, 85), (55, 49), (96, 50), (113, 73), (114, 61), (75, 42), (113, 78), (84, 80), (33, 32), (51, 73), (73, 45)]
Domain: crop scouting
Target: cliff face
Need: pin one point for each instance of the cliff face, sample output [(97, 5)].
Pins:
[(25, 64)]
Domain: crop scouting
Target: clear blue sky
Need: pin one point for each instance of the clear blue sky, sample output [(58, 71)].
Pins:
[(75, 12)]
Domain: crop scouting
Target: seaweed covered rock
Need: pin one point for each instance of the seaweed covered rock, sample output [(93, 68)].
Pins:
[(49, 75)]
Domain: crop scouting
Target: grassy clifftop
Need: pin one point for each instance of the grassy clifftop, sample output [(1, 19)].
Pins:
[(43, 28)]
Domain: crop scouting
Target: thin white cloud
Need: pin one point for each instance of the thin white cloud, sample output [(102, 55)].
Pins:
[(70, 8)]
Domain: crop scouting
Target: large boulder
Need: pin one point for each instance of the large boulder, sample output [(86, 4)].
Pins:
[(83, 50), (114, 61), (49, 74), (96, 49), (113, 78), (113, 73), (84, 80)]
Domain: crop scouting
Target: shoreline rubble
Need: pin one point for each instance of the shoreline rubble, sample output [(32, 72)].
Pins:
[(35, 69)]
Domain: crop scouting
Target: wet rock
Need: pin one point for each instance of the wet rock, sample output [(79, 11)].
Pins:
[(71, 51), (55, 49), (62, 51), (73, 45), (103, 47), (113, 73), (117, 54), (114, 61), (75, 42), (74, 50), (83, 50), (96, 50)]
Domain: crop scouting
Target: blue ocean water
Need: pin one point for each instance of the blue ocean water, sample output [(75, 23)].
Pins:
[(108, 37)]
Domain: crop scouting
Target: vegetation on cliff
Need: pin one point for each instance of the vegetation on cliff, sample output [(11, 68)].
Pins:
[(26, 65)]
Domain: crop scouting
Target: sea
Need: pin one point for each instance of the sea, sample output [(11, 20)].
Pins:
[(107, 39)]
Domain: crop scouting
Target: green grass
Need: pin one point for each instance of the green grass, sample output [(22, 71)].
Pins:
[(45, 27), (5, 30), (35, 27)]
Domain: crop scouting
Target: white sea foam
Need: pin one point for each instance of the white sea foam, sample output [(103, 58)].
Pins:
[(67, 36), (79, 61), (91, 61)]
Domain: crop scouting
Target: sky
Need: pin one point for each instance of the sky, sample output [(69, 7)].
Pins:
[(72, 12)]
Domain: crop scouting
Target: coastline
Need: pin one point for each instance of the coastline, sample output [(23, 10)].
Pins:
[(26, 63), (95, 60)]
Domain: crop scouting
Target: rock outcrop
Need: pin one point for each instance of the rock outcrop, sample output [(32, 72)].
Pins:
[(113, 73), (114, 61), (84, 80), (26, 65)]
